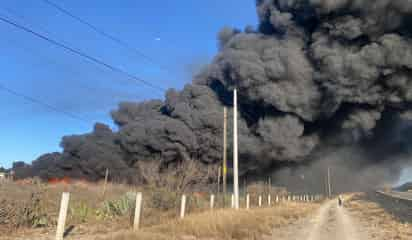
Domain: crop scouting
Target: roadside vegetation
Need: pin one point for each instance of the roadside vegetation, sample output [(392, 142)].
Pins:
[(224, 224), (382, 216), (32, 206), (30, 209)]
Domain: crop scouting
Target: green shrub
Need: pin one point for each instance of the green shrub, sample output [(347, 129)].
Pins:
[(80, 212), (32, 214), (118, 207)]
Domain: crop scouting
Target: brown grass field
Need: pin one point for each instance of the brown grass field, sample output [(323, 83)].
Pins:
[(29, 211), (381, 217)]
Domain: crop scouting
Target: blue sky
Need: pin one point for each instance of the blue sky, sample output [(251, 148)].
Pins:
[(187, 31)]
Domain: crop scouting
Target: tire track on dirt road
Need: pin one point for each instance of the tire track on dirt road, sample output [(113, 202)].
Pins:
[(330, 222)]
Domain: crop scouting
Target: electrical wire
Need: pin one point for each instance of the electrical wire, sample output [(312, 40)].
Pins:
[(105, 34), (41, 103), (81, 54)]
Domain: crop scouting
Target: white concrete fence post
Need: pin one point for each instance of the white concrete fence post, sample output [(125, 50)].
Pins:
[(212, 201), (260, 200), (183, 206), (233, 201), (269, 200), (64, 206), (137, 211), (277, 199), (247, 201)]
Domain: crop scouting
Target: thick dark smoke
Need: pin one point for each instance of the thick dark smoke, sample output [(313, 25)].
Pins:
[(321, 83)]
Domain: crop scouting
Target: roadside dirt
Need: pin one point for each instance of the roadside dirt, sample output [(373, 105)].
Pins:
[(384, 218), (330, 222)]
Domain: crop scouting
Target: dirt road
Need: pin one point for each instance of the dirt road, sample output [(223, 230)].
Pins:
[(330, 222)]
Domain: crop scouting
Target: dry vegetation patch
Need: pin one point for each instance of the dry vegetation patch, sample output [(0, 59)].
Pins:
[(32, 208), (374, 216), (225, 224), (29, 211)]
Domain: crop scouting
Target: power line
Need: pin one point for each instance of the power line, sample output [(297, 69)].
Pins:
[(41, 103), (55, 62), (76, 52), (105, 34), (81, 54)]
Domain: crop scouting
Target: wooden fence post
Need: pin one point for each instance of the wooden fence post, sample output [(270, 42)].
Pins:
[(183, 206), (106, 178), (212, 201), (137, 211), (247, 201), (64, 206)]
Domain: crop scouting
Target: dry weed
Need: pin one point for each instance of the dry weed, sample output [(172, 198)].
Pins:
[(224, 224), (373, 216)]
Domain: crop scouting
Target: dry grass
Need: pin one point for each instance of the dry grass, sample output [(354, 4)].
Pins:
[(373, 216), (159, 220), (86, 210), (224, 224)]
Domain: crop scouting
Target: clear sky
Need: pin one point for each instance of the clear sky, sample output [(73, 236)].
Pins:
[(187, 32)]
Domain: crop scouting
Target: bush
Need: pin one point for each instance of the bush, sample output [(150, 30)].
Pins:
[(80, 212), (163, 199), (119, 207), (29, 213)]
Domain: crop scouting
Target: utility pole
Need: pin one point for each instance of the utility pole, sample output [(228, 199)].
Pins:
[(224, 151), (235, 152), (245, 185), (329, 184), (219, 171), (325, 185)]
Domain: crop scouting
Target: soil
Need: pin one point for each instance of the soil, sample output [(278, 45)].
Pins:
[(330, 222)]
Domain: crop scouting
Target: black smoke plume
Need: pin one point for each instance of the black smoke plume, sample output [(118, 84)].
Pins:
[(322, 83)]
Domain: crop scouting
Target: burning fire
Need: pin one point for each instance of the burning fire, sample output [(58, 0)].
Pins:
[(64, 180)]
